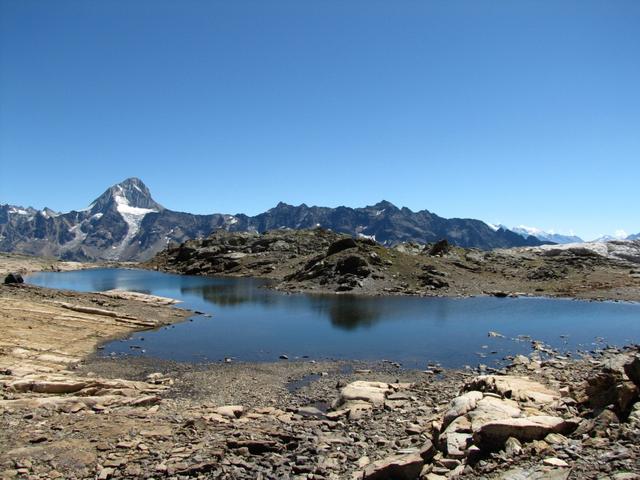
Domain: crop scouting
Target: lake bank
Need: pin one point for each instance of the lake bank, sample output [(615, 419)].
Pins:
[(129, 417), (330, 420), (320, 261)]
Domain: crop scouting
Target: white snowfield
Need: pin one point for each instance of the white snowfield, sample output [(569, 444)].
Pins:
[(124, 207), (532, 230), (133, 216), (18, 211), (626, 250)]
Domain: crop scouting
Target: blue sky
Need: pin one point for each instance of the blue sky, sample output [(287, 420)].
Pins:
[(522, 112)]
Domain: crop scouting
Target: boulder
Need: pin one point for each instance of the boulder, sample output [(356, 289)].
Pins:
[(632, 369), (439, 248), (521, 360), (13, 278), (373, 393), (354, 265), (521, 389), (457, 443), (395, 467), (230, 411), (491, 409), (493, 435), (460, 406), (615, 384), (340, 245), (429, 280), (512, 447)]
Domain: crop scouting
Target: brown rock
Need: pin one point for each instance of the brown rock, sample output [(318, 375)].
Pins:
[(396, 467), (493, 435)]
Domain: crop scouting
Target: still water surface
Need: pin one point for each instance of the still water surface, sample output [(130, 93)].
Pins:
[(251, 323)]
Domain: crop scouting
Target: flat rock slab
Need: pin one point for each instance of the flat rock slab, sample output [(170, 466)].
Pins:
[(461, 405), (491, 409), (493, 435), (521, 389), (374, 393), (396, 467), (535, 474)]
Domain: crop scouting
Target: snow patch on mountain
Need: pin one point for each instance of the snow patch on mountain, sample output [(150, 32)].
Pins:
[(617, 235), (494, 226), (627, 250), (133, 217), (18, 211), (546, 235), (48, 213), (370, 237), (79, 237), (531, 230)]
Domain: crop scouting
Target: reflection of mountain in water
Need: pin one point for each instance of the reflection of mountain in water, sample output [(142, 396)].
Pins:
[(100, 284), (349, 313), (232, 293)]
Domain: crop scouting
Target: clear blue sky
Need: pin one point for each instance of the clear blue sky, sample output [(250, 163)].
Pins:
[(508, 111)]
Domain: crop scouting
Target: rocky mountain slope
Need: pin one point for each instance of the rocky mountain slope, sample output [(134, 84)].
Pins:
[(125, 223), (322, 261)]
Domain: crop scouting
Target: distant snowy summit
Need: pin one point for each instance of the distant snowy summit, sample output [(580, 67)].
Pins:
[(537, 233), (558, 238), (545, 236), (618, 235)]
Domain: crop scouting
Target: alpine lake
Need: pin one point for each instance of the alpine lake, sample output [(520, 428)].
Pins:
[(245, 321)]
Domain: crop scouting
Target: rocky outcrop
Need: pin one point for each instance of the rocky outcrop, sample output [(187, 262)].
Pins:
[(616, 384), (13, 278), (322, 261)]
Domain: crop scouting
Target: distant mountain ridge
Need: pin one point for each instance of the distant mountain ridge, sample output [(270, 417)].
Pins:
[(545, 236), (126, 223)]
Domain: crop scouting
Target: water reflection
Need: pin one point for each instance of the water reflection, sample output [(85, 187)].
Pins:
[(348, 312), (230, 293)]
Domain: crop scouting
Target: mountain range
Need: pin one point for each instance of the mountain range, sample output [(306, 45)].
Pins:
[(126, 223), (545, 236)]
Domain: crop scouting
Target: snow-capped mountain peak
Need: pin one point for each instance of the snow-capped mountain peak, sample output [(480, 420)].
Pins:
[(130, 196), (546, 235), (617, 235)]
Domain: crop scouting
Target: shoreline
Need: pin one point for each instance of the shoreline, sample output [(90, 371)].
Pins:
[(68, 412), (323, 262), (27, 265), (633, 298)]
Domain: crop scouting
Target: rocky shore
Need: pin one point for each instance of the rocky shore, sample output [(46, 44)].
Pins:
[(321, 261), (542, 417), (70, 414)]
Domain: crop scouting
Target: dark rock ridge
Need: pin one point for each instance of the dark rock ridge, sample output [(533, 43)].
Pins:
[(322, 261), (125, 223)]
